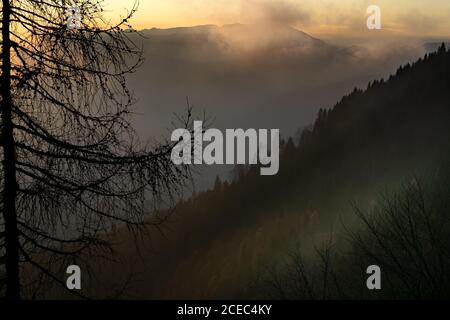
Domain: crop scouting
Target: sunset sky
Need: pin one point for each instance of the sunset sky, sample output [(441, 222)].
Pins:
[(319, 17)]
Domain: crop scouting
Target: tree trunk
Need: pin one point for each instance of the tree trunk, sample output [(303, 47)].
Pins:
[(9, 164)]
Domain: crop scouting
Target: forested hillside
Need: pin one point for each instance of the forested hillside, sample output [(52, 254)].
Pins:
[(372, 141)]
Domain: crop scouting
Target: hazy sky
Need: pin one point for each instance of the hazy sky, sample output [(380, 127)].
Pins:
[(319, 17)]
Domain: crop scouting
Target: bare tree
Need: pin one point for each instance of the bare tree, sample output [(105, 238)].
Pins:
[(72, 167), (406, 233)]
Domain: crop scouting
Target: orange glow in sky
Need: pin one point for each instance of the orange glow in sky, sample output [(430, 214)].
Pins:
[(332, 17)]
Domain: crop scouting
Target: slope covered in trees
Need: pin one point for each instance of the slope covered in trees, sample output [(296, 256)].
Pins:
[(372, 140)]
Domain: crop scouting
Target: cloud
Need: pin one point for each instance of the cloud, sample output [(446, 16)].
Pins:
[(416, 21), (279, 12)]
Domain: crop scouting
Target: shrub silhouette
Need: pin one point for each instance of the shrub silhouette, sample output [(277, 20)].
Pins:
[(407, 234)]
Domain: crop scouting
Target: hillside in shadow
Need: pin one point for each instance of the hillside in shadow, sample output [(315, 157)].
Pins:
[(220, 243)]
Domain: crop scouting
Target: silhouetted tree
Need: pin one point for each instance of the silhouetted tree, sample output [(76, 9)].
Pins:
[(72, 166), (218, 184), (406, 234)]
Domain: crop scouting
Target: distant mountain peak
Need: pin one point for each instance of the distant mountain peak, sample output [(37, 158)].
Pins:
[(264, 35)]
